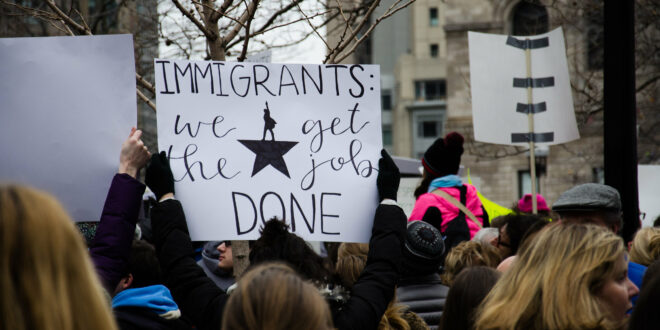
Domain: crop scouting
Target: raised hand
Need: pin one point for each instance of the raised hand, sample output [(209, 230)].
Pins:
[(134, 154), (159, 176), (388, 177)]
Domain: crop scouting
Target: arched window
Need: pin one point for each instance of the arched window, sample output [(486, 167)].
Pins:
[(529, 19)]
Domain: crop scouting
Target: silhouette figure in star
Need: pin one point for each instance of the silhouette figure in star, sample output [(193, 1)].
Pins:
[(269, 124), (269, 152)]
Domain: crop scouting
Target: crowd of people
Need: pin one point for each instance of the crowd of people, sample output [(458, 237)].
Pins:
[(447, 266)]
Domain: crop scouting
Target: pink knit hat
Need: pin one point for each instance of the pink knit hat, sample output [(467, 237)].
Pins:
[(525, 203)]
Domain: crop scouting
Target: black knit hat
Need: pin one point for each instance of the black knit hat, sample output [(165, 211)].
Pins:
[(423, 248), (443, 157)]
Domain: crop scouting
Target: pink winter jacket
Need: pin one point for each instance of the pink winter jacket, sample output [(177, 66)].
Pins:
[(448, 210)]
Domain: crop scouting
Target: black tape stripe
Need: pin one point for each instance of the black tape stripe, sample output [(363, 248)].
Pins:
[(534, 82), (528, 43), (531, 108), (537, 137)]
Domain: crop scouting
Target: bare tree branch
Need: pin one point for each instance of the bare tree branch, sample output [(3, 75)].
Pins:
[(312, 26), (241, 58), (207, 32), (232, 34), (68, 19), (146, 100)]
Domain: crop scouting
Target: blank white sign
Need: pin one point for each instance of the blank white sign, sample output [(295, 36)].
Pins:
[(66, 105)]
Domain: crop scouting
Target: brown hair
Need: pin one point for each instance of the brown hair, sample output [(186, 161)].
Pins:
[(468, 291), (352, 257), (47, 279), (468, 254), (272, 296)]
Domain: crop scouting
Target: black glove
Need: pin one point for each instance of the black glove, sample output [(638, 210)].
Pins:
[(388, 177), (433, 216), (159, 176)]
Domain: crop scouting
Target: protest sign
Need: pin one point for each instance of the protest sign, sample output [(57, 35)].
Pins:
[(249, 141), (498, 79), (648, 177), (66, 106)]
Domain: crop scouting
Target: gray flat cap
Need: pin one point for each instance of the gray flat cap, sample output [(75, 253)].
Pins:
[(589, 197)]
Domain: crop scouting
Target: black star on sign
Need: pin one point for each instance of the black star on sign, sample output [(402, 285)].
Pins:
[(269, 153)]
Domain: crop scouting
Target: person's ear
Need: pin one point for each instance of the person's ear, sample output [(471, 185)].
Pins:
[(126, 282)]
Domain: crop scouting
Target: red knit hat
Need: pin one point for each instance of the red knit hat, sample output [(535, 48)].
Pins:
[(525, 203), (443, 157)]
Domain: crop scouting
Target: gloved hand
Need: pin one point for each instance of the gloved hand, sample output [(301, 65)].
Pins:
[(388, 177), (433, 216), (159, 176)]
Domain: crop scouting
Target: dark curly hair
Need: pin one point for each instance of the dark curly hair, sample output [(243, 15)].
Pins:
[(278, 244)]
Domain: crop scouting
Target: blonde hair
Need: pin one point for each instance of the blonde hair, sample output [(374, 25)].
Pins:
[(468, 254), (47, 278), (272, 296), (351, 259), (645, 247), (554, 282)]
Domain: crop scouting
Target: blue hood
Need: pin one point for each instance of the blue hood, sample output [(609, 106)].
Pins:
[(155, 297)]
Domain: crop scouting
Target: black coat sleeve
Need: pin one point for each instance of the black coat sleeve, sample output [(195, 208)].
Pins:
[(375, 287), (197, 296)]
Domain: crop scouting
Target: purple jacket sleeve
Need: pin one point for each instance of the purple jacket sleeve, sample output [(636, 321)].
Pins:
[(114, 234)]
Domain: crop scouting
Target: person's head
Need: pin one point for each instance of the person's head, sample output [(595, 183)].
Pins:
[(47, 280), (273, 296), (442, 158), (525, 204), (656, 222), (645, 247), (226, 259), (469, 254), (593, 203), (486, 235), (572, 276), (653, 270), (276, 243), (513, 231), (142, 269), (468, 291), (423, 249), (351, 258), (645, 314)]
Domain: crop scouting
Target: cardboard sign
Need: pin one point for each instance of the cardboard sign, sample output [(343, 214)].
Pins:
[(249, 141), (66, 106), (498, 78)]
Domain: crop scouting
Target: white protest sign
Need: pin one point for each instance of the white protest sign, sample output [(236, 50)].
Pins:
[(248, 142), (648, 177), (499, 94), (66, 106)]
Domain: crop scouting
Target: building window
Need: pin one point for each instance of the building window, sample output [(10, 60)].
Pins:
[(525, 183), (529, 19), (434, 50), (429, 90), (387, 135), (386, 100), (427, 125), (433, 17)]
